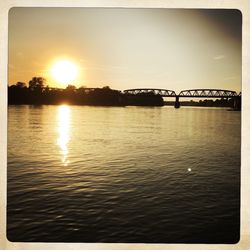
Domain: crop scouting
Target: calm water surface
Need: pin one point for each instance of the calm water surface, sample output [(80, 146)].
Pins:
[(115, 174)]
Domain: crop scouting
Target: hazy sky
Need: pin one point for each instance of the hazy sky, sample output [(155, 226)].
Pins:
[(128, 48)]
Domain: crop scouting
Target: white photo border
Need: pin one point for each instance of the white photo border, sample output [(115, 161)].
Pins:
[(243, 6)]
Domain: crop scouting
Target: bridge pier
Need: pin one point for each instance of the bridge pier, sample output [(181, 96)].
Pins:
[(177, 102), (237, 103)]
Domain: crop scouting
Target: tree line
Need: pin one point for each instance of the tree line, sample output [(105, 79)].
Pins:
[(38, 93), (223, 102)]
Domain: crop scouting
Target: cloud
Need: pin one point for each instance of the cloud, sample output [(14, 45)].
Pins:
[(219, 57)]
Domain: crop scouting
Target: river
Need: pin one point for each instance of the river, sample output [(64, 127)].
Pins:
[(123, 174)]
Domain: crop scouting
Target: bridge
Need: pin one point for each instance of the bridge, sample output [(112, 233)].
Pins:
[(161, 92), (196, 93), (208, 93)]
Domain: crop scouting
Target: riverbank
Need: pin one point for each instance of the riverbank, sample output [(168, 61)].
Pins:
[(21, 95)]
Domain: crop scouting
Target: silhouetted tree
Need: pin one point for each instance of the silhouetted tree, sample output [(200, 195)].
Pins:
[(18, 93), (82, 87), (20, 84), (106, 87), (71, 88), (37, 84)]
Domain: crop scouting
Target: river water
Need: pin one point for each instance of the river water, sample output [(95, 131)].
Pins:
[(123, 174)]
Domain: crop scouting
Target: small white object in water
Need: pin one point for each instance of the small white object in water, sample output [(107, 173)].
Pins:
[(189, 169)]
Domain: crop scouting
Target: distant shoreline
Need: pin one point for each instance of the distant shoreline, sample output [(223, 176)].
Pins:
[(38, 94), (165, 105)]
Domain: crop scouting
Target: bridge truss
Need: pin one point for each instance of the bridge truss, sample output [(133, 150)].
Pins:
[(161, 92), (202, 93), (212, 93)]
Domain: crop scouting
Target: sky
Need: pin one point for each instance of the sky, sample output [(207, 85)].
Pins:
[(124, 48)]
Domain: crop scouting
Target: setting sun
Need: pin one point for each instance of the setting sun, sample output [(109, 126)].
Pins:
[(64, 71)]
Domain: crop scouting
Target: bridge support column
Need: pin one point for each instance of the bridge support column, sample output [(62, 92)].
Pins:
[(177, 102), (237, 103)]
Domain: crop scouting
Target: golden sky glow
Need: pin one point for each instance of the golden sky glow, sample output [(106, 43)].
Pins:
[(128, 48)]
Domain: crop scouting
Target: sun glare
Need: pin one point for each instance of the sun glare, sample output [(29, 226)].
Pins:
[(64, 71)]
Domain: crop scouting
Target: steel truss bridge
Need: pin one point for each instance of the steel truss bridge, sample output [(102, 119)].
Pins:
[(212, 93), (199, 93), (161, 92)]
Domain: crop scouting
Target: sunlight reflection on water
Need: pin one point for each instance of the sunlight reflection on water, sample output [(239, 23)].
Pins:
[(63, 130)]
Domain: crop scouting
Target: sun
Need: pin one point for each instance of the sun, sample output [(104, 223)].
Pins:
[(64, 71)]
